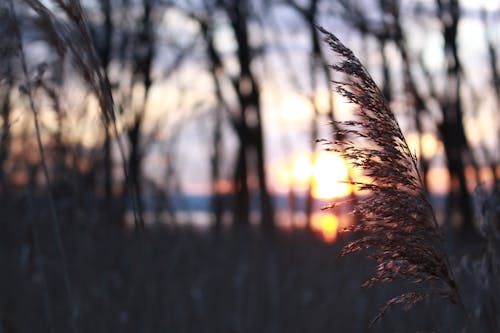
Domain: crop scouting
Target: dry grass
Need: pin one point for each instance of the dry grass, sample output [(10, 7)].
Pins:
[(219, 285), (396, 221), (189, 281), (73, 39), (70, 38), (484, 269)]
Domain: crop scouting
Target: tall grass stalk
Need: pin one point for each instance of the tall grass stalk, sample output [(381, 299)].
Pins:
[(485, 270), (396, 221), (28, 90), (74, 40)]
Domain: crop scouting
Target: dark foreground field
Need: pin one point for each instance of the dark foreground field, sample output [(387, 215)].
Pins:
[(183, 280)]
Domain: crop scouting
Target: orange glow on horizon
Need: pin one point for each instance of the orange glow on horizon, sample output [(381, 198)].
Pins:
[(326, 225), (223, 186)]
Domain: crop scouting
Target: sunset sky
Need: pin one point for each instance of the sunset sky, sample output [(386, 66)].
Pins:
[(179, 110), (288, 110)]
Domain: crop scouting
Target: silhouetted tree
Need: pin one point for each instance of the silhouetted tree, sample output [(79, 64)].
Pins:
[(495, 83), (249, 125), (247, 120), (7, 54), (458, 153)]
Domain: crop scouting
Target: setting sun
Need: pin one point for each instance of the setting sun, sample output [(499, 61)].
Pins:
[(296, 108), (329, 176)]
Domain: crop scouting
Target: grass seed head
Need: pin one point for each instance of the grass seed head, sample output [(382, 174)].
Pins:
[(396, 221)]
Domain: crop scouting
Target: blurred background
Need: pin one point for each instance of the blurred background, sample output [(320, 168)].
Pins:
[(216, 106)]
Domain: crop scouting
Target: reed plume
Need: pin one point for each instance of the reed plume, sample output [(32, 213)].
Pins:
[(395, 220), (71, 38)]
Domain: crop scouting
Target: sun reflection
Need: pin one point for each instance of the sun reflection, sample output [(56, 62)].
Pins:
[(326, 225)]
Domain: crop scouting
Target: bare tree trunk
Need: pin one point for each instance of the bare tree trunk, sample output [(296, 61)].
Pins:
[(495, 82), (108, 166), (242, 196), (8, 46), (5, 131), (417, 101), (215, 158), (250, 123), (247, 124), (104, 53), (452, 129), (266, 205), (143, 62), (134, 164)]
